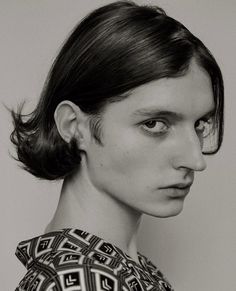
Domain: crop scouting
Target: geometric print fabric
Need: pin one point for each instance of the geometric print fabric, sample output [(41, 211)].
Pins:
[(75, 260)]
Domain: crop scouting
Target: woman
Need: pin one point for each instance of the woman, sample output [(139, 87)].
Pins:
[(132, 103)]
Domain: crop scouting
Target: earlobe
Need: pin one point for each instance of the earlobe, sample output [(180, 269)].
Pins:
[(66, 119)]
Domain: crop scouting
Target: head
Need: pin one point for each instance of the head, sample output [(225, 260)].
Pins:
[(134, 98)]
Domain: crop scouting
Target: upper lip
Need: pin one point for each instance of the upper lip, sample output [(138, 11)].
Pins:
[(179, 185)]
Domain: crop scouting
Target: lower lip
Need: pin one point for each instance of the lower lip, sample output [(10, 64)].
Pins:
[(177, 192)]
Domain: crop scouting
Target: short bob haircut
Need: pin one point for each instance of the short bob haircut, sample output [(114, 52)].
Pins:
[(113, 50)]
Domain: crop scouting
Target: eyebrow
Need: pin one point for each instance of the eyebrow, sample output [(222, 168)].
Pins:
[(153, 112)]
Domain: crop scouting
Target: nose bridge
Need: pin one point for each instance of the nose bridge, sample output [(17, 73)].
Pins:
[(190, 155)]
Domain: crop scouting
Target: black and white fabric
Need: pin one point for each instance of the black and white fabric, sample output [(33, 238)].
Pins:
[(75, 260)]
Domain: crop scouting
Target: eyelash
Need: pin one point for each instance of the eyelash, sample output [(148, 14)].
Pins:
[(206, 122), (156, 133)]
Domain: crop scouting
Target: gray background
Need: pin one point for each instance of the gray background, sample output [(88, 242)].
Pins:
[(197, 249)]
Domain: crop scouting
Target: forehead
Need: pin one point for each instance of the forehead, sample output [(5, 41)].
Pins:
[(190, 95)]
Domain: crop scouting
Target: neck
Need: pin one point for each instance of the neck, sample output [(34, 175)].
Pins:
[(84, 207)]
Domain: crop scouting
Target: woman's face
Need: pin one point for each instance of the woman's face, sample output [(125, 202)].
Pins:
[(152, 144)]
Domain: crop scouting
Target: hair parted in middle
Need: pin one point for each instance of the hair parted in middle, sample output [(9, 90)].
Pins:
[(112, 51)]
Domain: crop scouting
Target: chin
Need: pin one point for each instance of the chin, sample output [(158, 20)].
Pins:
[(171, 209)]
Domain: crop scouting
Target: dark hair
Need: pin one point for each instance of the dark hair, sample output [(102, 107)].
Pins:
[(113, 50)]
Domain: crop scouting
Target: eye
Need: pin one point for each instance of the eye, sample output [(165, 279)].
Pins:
[(155, 126), (204, 127)]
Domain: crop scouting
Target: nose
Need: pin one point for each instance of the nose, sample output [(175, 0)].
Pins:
[(189, 153)]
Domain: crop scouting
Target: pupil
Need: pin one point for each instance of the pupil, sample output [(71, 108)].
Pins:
[(151, 123)]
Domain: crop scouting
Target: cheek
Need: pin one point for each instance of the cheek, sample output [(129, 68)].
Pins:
[(132, 159)]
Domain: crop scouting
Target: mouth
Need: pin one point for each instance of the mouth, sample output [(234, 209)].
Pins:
[(179, 190), (181, 185)]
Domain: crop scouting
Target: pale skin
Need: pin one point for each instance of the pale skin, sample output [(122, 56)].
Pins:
[(152, 141)]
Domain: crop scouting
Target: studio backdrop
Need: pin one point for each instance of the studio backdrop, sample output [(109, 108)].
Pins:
[(197, 249)]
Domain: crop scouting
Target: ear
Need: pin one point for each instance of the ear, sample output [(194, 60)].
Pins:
[(72, 122)]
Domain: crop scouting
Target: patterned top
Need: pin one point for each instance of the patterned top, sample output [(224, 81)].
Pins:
[(75, 260)]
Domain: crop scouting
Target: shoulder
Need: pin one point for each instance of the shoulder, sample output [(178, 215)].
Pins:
[(67, 270)]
